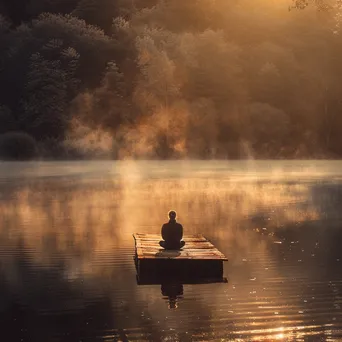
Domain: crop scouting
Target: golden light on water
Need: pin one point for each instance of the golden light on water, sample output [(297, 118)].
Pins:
[(103, 216), (281, 335), (88, 221)]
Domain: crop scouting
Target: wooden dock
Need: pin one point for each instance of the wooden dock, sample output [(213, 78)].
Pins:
[(198, 259)]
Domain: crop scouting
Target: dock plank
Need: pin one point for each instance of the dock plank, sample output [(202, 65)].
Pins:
[(188, 245), (197, 247), (158, 238), (193, 250), (184, 255)]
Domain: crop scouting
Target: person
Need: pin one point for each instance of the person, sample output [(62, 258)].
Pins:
[(172, 233)]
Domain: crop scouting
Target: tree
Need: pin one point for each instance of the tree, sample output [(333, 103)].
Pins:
[(45, 100), (36, 7), (52, 35), (101, 13), (17, 146), (321, 5), (4, 28), (7, 122), (157, 83), (94, 47), (15, 10), (267, 129), (179, 16), (106, 106), (214, 72)]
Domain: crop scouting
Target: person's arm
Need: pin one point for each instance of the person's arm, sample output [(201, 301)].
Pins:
[(163, 232), (180, 232)]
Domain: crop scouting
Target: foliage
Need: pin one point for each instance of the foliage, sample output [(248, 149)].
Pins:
[(173, 79), (44, 103), (17, 146), (101, 12), (266, 128), (36, 7), (7, 122), (4, 24)]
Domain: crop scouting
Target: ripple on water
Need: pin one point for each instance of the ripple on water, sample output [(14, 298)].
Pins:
[(66, 249)]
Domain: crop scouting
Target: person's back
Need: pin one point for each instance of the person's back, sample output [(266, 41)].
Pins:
[(172, 233)]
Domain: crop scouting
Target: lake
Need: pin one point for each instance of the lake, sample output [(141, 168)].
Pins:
[(67, 270)]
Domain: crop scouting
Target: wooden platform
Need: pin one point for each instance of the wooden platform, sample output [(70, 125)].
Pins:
[(199, 258)]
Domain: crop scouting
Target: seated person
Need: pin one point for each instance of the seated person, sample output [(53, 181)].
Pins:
[(172, 233)]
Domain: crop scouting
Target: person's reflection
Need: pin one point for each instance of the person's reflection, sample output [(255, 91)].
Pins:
[(173, 291)]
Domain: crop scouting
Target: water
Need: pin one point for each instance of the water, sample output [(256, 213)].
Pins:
[(66, 246)]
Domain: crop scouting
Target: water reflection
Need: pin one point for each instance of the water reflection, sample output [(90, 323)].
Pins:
[(66, 248), (173, 291), (172, 284)]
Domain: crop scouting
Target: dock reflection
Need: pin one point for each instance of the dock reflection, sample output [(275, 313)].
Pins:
[(171, 285)]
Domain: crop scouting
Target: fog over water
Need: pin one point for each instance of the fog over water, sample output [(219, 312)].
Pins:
[(66, 246)]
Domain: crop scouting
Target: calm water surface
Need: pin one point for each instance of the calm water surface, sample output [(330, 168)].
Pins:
[(66, 267)]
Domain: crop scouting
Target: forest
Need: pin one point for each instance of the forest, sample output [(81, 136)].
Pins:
[(170, 79)]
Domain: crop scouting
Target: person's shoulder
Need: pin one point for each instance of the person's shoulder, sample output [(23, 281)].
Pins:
[(179, 224)]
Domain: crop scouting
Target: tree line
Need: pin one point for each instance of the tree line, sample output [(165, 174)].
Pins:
[(170, 79)]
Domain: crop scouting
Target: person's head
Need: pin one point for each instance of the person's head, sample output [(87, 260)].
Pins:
[(172, 215)]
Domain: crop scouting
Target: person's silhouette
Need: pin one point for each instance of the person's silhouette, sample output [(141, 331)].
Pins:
[(173, 291), (172, 233)]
